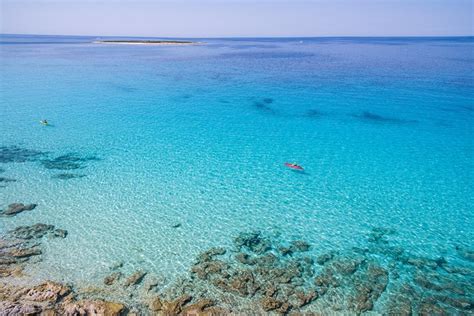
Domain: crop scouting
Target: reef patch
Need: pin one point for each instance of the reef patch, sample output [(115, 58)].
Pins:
[(15, 154), (376, 118), (68, 161), (68, 176)]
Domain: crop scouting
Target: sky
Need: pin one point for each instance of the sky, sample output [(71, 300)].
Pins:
[(238, 18)]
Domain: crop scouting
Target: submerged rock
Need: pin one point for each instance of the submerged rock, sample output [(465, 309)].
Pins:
[(69, 161), (299, 245), (3, 179), (467, 254), (111, 278), (253, 242), (135, 278), (38, 230), (68, 176), (16, 208)]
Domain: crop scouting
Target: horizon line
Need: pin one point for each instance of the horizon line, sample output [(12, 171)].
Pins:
[(243, 37)]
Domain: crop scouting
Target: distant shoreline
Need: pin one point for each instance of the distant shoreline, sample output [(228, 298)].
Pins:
[(145, 42)]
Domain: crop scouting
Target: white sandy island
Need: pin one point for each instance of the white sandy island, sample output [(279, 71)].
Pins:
[(145, 42)]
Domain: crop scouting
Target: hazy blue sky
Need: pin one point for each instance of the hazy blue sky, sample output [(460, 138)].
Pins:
[(188, 18)]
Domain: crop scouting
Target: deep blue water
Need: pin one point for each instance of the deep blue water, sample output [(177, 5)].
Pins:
[(198, 135)]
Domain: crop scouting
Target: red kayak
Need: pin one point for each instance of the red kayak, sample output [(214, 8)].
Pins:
[(293, 166)]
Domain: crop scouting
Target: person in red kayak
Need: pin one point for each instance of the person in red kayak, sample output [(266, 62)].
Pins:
[(293, 166)]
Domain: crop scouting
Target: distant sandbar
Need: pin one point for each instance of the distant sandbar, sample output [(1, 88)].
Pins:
[(145, 42)]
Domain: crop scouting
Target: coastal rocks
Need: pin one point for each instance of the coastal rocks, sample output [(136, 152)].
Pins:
[(51, 298), (35, 300), (20, 245), (69, 161), (93, 307), (184, 305), (276, 281), (174, 307), (16, 208), (14, 154)]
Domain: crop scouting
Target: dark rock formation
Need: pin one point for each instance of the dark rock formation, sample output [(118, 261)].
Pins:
[(37, 231), (16, 208)]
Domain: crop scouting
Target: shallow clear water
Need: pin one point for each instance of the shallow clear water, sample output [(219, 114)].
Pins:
[(197, 135)]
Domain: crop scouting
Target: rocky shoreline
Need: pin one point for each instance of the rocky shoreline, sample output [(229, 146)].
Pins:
[(257, 276)]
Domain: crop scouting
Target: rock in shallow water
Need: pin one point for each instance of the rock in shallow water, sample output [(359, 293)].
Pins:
[(38, 230), (16, 208), (135, 278)]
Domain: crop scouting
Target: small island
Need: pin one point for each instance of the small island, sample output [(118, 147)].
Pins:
[(145, 42)]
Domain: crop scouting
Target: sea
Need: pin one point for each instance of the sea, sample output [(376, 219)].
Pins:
[(154, 154)]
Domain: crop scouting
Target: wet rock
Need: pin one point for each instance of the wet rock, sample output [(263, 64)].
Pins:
[(299, 245), (47, 292), (94, 307), (111, 278), (68, 176), (16, 208), (198, 307), (135, 278), (25, 252), (170, 307), (9, 154), (253, 242)]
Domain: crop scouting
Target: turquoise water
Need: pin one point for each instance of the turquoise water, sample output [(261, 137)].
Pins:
[(198, 135)]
